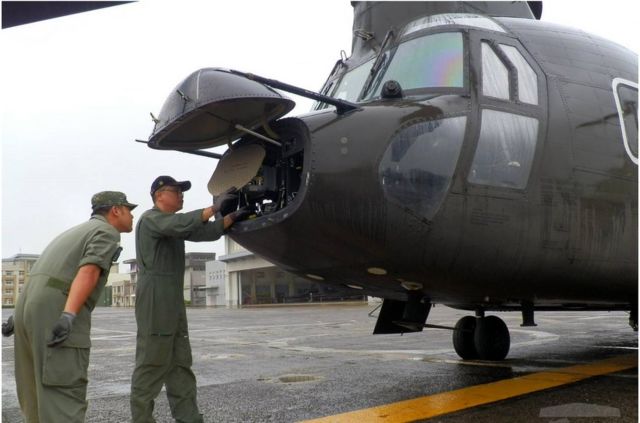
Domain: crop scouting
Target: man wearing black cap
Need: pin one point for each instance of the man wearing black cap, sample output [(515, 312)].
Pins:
[(52, 319), (163, 351)]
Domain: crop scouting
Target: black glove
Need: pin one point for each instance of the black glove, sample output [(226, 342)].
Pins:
[(61, 329), (7, 327), (226, 202), (241, 214)]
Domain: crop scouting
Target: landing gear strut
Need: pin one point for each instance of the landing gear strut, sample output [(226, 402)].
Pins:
[(486, 338)]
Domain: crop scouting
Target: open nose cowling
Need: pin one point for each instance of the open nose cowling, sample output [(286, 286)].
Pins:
[(213, 107)]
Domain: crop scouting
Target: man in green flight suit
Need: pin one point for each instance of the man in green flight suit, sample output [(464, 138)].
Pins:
[(163, 351), (52, 319)]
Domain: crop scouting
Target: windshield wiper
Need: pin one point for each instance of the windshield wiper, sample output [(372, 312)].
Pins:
[(376, 65)]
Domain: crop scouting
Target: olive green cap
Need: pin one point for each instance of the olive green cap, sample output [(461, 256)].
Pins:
[(109, 199)]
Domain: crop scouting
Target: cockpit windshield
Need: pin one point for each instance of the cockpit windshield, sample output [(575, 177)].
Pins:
[(352, 82), (432, 61)]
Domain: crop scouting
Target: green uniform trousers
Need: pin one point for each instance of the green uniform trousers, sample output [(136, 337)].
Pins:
[(53, 381), (164, 360)]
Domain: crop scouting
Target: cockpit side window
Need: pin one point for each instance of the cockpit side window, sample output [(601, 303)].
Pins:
[(511, 114), (327, 90), (495, 75), (527, 78), (626, 97), (505, 150), (351, 83), (506, 74)]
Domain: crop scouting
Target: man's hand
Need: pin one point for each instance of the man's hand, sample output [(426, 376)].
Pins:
[(7, 327), (241, 214), (226, 202), (61, 329)]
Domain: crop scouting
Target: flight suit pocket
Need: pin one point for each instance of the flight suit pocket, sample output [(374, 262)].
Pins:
[(156, 350), (165, 306), (65, 366), (182, 351), (78, 339)]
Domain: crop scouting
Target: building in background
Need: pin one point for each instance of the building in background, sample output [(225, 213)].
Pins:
[(195, 278), (216, 285), (249, 279), (124, 292), (17, 269), (238, 279), (115, 282), (15, 274)]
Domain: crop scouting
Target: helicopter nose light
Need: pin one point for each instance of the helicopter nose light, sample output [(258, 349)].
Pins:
[(377, 271), (411, 286), (212, 107), (315, 277), (353, 286)]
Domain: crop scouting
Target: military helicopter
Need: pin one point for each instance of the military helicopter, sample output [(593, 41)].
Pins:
[(465, 154)]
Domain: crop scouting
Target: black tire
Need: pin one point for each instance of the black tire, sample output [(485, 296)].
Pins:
[(463, 338), (491, 338)]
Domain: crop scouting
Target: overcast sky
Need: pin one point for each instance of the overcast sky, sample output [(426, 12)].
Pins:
[(77, 91)]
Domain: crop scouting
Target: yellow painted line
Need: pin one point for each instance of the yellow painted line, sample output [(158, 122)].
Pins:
[(473, 396)]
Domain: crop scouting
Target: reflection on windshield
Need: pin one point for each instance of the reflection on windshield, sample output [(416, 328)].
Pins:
[(433, 61), (427, 62)]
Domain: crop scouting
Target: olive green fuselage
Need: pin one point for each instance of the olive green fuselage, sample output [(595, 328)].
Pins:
[(369, 212)]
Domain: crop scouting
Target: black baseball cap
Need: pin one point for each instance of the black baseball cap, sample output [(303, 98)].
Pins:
[(168, 181)]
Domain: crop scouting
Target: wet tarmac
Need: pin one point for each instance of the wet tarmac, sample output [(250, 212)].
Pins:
[(287, 364)]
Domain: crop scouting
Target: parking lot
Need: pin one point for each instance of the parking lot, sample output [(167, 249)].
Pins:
[(292, 363)]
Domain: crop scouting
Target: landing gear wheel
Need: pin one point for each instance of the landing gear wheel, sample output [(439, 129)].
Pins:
[(463, 338), (491, 338)]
